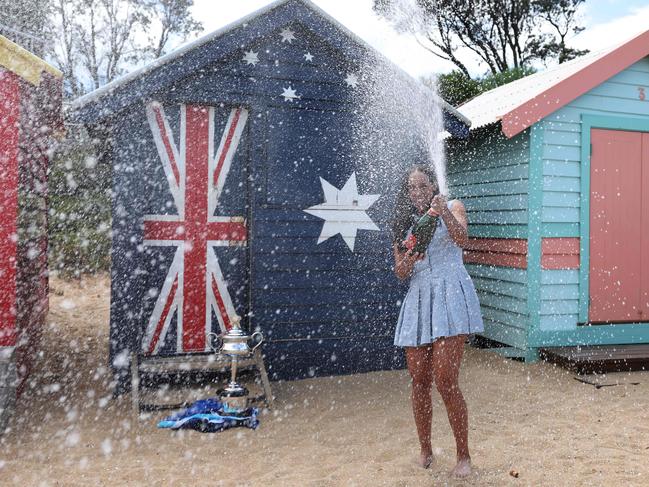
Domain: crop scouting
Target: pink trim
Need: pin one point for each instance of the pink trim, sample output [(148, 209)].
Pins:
[(565, 91), (559, 253), (504, 252)]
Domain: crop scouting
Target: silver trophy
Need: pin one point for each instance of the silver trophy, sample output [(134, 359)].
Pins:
[(234, 344)]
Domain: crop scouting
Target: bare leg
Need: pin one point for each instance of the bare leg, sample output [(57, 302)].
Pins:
[(447, 356), (420, 367)]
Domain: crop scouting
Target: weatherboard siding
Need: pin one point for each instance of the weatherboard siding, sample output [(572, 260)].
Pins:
[(561, 161), (502, 293), (489, 173)]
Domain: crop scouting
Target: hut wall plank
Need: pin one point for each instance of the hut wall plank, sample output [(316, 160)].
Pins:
[(502, 274), (557, 322), (323, 330), (342, 355), (512, 320), (561, 183), (560, 199), (502, 293), (494, 286), (559, 291), (559, 299), (564, 214), (504, 303), (553, 167), (515, 336), (492, 181), (491, 203), (561, 152)]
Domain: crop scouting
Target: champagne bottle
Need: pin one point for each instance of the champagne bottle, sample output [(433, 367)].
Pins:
[(422, 233)]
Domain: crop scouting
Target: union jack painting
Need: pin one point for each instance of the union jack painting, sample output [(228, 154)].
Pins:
[(196, 170)]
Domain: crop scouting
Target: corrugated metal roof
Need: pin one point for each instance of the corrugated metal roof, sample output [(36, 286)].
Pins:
[(494, 105), (491, 106)]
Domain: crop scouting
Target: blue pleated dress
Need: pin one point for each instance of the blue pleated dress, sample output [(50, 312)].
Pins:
[(441, 300)]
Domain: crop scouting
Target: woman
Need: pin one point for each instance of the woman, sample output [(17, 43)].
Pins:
[(440, 309)]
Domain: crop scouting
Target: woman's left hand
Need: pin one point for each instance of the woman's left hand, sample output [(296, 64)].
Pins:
[(439, 204)]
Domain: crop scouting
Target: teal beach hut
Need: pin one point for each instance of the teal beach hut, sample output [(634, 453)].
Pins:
[(555, 178)]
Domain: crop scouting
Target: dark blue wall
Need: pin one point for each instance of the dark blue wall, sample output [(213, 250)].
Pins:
[(322, 308)]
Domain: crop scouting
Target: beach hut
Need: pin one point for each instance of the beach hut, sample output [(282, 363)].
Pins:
[(241, 185), (30, 113), (555, 177)]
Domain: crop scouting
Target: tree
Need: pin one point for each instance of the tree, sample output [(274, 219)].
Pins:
[(503, 34), (79, 206), (93, 42), (24, 23), (171, 17), (63, 49), (561, 15), (457, 88), (96, 41)]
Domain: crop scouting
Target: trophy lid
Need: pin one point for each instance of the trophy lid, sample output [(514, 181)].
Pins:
[(235, 340), (235, 330)]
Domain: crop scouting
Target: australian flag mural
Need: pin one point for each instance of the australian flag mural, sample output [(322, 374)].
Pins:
[(242, 185)]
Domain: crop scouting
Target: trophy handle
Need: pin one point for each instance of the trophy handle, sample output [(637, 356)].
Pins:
[(214, 339), (261, 339)]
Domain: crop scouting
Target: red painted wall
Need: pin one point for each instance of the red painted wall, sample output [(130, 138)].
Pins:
[(29, 116), (506, 252), (9, 149), (557, 253), (560, 253)]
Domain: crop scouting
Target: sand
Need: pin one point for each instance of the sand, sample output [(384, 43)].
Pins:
[(534, 421)]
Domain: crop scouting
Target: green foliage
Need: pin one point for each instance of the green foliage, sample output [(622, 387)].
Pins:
[(502, 34), (457, 88), (80, 208), (491, 81)]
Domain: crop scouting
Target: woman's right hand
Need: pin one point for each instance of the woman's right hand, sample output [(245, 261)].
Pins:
[(405, 261)]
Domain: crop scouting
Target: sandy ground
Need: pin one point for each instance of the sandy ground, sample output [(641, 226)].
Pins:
[(535, 421)]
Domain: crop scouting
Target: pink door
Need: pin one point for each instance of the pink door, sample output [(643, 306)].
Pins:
[(619, 226)]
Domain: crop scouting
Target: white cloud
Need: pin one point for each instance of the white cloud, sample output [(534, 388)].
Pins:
[(601, 36)]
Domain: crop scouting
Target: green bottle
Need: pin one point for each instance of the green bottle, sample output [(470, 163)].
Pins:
[(422, 233)]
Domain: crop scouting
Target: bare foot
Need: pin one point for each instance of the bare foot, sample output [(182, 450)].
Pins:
[(425, 459), (462, 469)]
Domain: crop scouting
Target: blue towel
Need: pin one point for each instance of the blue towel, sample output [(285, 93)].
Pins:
[(207, 415)]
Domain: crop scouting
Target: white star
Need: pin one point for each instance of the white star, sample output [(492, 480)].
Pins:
[(351, 80), (251, 57), (289, 94), (308, 56), (344, 211), (287, 35)]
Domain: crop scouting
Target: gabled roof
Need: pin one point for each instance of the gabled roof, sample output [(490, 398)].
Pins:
[(114, 96), (522, 103)]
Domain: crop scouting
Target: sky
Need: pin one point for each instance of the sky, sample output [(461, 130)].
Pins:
[(607, 23)]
